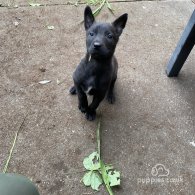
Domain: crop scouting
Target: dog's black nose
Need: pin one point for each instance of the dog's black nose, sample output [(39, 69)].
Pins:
[(97, 45)]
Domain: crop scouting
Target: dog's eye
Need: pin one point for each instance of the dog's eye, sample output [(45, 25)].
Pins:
[(91, 34), (109, 36)]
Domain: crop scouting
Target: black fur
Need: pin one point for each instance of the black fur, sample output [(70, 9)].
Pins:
[(97, 72)]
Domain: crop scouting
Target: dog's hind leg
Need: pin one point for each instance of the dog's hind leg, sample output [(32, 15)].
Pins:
[(110, 95), (73, 90)]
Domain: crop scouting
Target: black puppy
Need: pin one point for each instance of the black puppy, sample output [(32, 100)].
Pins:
[(97, 72)]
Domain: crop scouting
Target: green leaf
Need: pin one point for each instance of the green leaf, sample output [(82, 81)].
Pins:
[(87, 178), (105, 177), (114, 177), (92, 162), (93, 179), (111, 176), (96, 180), (109, 167)]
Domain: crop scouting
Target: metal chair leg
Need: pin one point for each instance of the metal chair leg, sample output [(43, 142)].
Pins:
[(183, 48)]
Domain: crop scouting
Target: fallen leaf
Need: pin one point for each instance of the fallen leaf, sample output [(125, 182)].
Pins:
[(192, 143), (114, 177), (50, 27), (34, 4), (92, 162), (87, 178), (96, 180), (44, 82), (58, 81), (16, 23), (93, 179), (105, 177), (99, 173)]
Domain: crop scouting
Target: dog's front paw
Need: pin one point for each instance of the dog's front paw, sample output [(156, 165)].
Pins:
[(73, 90), (82, 109), (90, 115), (110, 98)]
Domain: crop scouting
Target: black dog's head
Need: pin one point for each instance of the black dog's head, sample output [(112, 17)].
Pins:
[(101, 38)]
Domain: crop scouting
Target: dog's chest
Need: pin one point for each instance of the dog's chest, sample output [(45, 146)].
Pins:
[(94, 78), (89, 85)]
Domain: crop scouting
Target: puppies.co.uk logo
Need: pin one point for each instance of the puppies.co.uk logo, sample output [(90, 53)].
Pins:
[(159, 170), (160, 174)]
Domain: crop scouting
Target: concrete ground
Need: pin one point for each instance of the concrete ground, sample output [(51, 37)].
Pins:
[(151, 123)]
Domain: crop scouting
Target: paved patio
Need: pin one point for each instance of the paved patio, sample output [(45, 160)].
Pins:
[(152, 121)]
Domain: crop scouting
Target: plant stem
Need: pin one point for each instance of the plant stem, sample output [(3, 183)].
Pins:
[(12, 148), (10, 153), (98, 139), (97, 11), (102, 165)]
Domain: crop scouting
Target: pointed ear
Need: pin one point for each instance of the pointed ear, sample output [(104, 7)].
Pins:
[(120, 23), (88, 18)]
